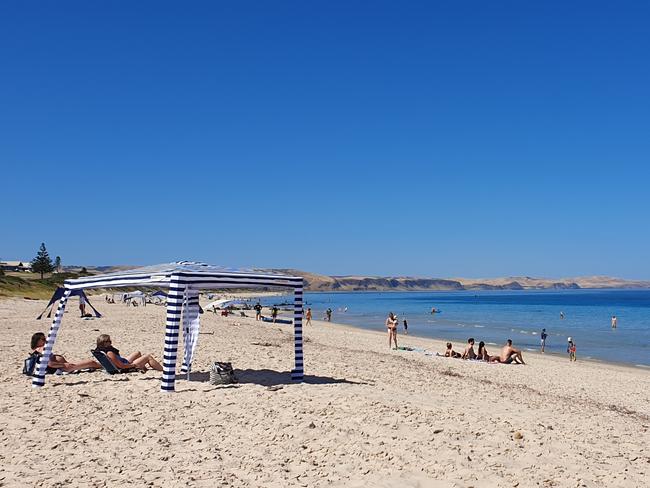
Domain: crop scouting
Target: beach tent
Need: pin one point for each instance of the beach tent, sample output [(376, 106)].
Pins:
[(129, 297), (223, 303), (58, 293), (183, 280)]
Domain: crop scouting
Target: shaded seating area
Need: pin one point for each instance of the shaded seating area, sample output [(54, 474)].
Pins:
[(102, 359), (183, 280)]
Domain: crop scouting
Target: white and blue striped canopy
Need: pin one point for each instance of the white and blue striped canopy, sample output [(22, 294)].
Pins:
[(197, 275)]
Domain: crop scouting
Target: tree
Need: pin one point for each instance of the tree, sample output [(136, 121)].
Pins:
[(57, 264), (42, 262)]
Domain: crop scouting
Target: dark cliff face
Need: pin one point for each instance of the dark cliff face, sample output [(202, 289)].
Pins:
[(345, 283)]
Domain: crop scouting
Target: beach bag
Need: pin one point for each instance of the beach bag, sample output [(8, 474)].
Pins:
[(30, 364), (222, 374)]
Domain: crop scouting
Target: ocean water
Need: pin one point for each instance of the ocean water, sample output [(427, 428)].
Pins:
[(494, 316)]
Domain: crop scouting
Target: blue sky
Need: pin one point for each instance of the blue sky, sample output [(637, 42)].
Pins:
[(469, 139)]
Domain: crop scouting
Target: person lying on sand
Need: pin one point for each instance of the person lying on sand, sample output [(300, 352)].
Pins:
[(56, 360), (509, 354), (450, 353), (469, 350), (134, 360)]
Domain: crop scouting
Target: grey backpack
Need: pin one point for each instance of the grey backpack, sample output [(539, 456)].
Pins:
[(222, 374)]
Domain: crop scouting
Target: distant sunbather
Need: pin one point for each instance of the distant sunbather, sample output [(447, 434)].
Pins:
[(469, 350), (57, 361), (509, 354), (450, 353), (134, 360)]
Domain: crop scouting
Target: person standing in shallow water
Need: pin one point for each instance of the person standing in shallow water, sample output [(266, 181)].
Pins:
[(614, 321), (543, 337), (391, 326)]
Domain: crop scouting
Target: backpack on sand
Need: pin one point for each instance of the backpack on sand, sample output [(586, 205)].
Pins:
[(222, 374)]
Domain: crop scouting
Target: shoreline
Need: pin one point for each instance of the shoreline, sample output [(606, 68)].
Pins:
[(441, 342)]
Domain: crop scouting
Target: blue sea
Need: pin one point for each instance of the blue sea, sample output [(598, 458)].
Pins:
[(494, 316)]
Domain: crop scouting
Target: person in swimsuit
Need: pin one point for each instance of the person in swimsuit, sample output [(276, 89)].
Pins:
[(391, 325), (134, 360), (469, 350), (274, 313), (482, 352), (450, 353), (308, 316), (571, 349), (57, 361), (543, 337), (258, 311), (509, 354)]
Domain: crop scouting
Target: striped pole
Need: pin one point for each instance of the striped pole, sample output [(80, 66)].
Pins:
[(191, 323), (186, 332), (174, 309), (38, 380), (298, 371)]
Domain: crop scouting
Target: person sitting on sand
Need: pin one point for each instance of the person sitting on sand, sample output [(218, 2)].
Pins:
[(134, 360), (469, 350), (509, 354), (56, 360), (482, 353), (450, 353)]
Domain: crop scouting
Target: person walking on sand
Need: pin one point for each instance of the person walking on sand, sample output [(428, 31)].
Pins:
[(82, 305), (543, 337), (328, 314), (258, 311), (308, 316), (614, 321), (274, 313), (391, 325), (571, 349)]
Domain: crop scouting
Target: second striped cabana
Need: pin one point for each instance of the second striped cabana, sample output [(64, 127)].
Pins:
[(184, 280)]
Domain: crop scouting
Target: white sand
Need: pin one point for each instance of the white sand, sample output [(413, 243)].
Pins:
[(365, 417)]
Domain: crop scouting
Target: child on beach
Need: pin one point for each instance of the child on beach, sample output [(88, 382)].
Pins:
[(571, 349)]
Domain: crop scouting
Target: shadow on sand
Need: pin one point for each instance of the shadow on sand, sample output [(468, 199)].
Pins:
[(269, 377)]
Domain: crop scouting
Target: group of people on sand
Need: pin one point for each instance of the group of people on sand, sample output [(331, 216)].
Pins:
[(508, 353), (135, 360)]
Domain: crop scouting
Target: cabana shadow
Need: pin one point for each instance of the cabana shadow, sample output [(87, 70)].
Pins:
[(269, 377)]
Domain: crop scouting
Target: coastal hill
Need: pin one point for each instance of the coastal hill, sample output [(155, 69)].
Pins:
[(316, 282), (29, 286)]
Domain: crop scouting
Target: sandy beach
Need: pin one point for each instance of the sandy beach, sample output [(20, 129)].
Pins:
[(366, 416)]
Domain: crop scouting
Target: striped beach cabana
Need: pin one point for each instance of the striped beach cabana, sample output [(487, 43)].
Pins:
[(183, 280)]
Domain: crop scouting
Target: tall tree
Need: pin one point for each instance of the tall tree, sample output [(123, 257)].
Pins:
[(57, 264), (42, 263)]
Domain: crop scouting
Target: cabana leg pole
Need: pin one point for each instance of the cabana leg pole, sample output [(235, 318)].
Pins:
[(190, 328), (297, 373), (39, 377), (174, 310)]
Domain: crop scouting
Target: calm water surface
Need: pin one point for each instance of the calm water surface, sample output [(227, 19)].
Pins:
[(493, 316)]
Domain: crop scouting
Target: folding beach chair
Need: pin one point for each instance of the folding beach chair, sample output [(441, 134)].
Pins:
[(102, 359)]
